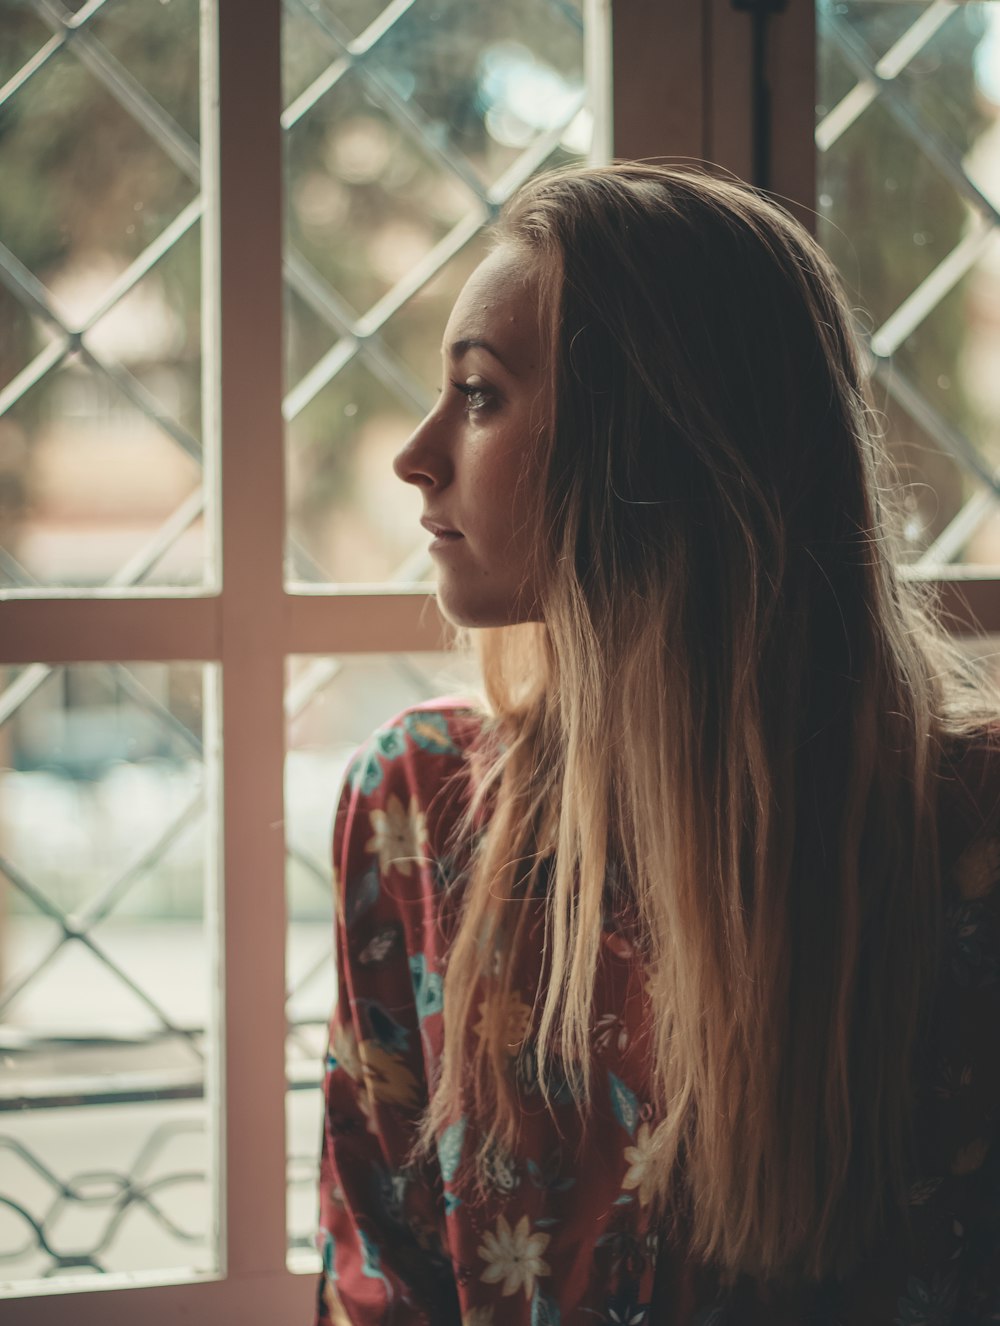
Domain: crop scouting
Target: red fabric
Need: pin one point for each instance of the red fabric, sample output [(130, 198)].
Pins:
[(565, 1235)]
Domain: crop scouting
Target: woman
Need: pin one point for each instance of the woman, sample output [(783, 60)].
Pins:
[(668, 967)]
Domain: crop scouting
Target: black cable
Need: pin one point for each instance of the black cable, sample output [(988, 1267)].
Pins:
[(760, 12)]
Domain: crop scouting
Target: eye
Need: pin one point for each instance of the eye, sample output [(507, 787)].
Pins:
[(478, 397)]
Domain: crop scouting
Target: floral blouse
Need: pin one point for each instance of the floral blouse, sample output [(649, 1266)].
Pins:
[(565, 1238)]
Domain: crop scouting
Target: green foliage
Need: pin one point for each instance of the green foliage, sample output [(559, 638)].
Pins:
[(889, 217)]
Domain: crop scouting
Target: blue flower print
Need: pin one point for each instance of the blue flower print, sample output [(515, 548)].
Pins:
[(372, 1260), (624, 1103), (549, 1176), (327, 1246), (390, 742), (366, 770), (928, 1304), (450, 1148), (384, 1028), (544, 1311), (428, 987)]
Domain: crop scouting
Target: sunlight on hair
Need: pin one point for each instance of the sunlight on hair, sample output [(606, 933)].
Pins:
[(734, 722)]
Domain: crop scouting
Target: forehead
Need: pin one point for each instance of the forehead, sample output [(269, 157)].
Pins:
[(499, 304)]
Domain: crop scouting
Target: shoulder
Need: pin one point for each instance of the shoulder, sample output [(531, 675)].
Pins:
[(416, 749), (960, 1068), (404, 791), (969, 798), (969, 843)]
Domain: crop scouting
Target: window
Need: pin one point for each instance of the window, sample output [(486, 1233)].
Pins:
[(223, 272), (908, 132), (172, 325)]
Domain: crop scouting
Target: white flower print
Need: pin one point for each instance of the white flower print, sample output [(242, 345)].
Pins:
[(640, 1171), (399, 834), (610, 1025), (478, 1317), (514, 1256)]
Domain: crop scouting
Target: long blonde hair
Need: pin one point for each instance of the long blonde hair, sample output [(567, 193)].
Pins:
[(734, 707)]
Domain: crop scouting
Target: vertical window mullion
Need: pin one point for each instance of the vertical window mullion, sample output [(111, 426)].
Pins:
[(252, 630), (658, 56), (792, 70)]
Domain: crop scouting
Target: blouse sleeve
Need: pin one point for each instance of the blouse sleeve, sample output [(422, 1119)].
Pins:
[(382, 1230)]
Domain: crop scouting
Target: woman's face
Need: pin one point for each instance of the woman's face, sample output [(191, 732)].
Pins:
[(479, 444)]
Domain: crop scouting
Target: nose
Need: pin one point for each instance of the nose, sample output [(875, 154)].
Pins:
[(423, 459)]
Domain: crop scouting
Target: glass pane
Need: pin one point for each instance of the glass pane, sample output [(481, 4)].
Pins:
[(332, 706), (101, 401), (405, 128), (107, 834), (908, 139)]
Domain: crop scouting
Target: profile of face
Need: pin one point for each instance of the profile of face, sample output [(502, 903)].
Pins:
[(475, 455)]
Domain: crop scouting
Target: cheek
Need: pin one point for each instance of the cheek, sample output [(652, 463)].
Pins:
[(505, 465), (489, 480)]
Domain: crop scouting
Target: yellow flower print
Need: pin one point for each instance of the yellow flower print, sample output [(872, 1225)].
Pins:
[(344, 1048), (388, 1078), (977, 870), (399, 834), (971, 1157), (640, 1171), (515, 1027), (514, 1256)]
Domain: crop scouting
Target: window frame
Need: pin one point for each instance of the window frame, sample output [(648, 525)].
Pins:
[(683, 84)]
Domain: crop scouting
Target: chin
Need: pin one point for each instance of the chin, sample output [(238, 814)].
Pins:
[(487, 600), (477, 615), (472, 616)]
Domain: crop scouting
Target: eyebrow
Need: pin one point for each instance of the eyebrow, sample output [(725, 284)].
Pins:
[(467, 343)]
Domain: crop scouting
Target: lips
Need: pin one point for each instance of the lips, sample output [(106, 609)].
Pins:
[(442, 531)]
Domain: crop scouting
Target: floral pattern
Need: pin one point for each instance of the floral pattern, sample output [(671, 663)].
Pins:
[(639, 1174), (563, 1234), (514, 1256), (516, 1026), (398, 835)]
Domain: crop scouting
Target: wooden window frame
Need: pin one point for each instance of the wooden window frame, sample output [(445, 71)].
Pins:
[(680, 87)]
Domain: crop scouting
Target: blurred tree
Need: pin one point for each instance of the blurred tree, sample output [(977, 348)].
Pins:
[(83, 181), (368, 195), (888, 216)]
